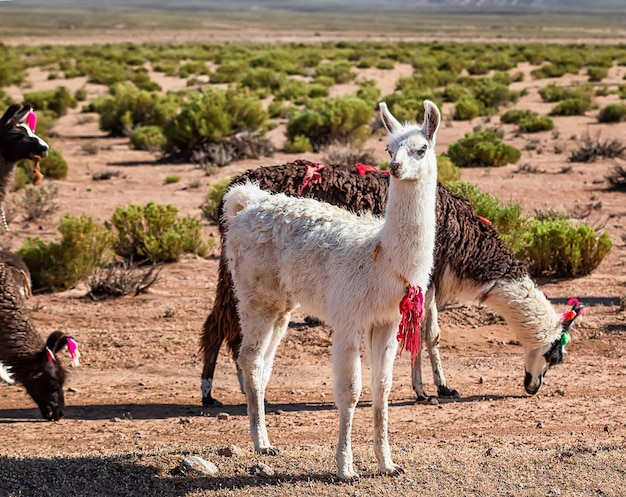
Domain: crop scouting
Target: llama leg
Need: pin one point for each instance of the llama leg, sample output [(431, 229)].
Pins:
[(210, 359), (382, 350), (280, 328), (347, 377), (430, 316), (256, 338), (433, 332)]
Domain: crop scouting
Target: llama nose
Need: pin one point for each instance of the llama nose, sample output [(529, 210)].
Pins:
[(394, 167)]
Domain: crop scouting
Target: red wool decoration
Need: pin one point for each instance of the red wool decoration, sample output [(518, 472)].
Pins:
[(412, 311)]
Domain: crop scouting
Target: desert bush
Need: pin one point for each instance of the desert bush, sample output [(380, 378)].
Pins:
[(596, 73), (535, 124), (617, 179), (40, 201), (466, 109), (57, 101), (123, 278), (149, 138), (612, 113), (332, 120), (574, 106), (482, 149), (54, 165), (558, 248), (508, 219), (556, 93), (299, 145), (211, 115), (210, 206), (339, 71), (350, 156), (85, 246), (591, 148), (156, 233), (447, 171)]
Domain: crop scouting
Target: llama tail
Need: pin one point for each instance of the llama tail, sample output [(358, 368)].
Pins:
[(241, 196)]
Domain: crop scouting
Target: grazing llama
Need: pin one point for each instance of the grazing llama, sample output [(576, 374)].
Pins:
[(355, 272), (23, 353), (471, 262), (18, 141)]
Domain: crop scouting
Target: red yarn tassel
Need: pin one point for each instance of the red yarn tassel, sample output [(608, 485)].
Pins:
[(412, 311)]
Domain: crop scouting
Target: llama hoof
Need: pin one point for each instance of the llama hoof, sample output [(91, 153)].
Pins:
[(349, 476), (448, 393), (270, 451), (211, 402), (394, 470), (421, 398)]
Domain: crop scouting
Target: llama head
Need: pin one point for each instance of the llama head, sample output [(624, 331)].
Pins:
[(17, 140), (411, 147), (537, 361), (45, 384)]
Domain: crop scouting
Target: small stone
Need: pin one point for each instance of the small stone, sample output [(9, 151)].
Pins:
[(260, 469), (433, 401), (186, 420), (481, 380), (230, 451), (607, 429), (540, 425), (72, 390), (195, 464), (560, 392), (116, 420), (223, 416)]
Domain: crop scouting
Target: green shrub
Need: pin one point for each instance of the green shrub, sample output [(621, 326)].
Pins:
[(54, 165), (535, 124), (150, 138), (596, 73), (556, 93), (557, 248), (80, 94), (85, 246), (171, 179), (482, 149), (574, 106), (57, 101), (299, 145), (325, 121), (210, 207), (156, 233), (129, 108), (466, 108), (514, 116), (447, 171), (506, 218), (339, 71), (612, 113), (212, 115)]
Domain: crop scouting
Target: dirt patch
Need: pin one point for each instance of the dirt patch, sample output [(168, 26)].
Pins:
[(134, 404)]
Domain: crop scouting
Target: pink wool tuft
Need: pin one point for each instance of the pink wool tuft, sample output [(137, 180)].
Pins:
[(412, 311)]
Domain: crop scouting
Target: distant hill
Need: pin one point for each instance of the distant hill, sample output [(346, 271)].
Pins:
[(307, 5)]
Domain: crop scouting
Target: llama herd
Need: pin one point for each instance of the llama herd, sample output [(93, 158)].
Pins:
[(372, 255)]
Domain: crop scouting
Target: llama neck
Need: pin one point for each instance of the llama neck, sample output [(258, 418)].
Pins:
[(408, 235), (526, 310), (7, 173)]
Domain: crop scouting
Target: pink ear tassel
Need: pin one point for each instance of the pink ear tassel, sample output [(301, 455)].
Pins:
[(31, 120), (72, 348)]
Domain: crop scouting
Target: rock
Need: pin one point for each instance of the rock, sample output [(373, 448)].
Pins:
[(223, 416), (186, 420), (260, 469), (197, 465), (231, 451)]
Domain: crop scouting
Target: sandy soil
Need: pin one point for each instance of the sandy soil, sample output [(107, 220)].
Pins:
[(134, 404)]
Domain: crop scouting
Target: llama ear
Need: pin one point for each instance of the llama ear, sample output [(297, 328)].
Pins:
[(22, 113), (56, 341), (432, 118), (10, 112), (50, 356), (391, 124)]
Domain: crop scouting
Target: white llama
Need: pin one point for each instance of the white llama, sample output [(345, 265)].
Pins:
[(351, 271)]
